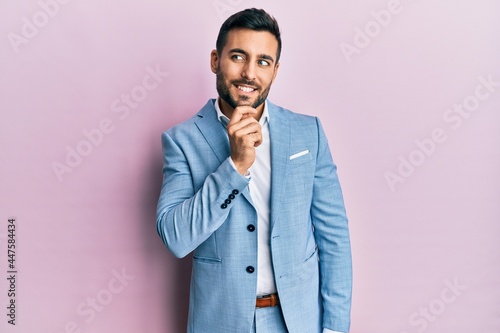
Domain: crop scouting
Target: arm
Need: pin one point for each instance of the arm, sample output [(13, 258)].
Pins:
[(186, 218), (332, 237)]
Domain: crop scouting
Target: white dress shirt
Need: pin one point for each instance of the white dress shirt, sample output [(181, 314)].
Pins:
[(260, 191)]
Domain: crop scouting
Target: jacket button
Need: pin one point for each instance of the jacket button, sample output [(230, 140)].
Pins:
[(227, 201), (235, 192), (251, 227), (223, 206), (250, 269), (231, 196)]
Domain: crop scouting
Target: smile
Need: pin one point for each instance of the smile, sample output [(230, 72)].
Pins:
[(246, 89)]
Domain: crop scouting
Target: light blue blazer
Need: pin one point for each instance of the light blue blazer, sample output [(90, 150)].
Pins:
[(310, 243)]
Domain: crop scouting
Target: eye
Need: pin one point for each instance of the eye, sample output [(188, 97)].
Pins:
[(264, 63), (237, 57)]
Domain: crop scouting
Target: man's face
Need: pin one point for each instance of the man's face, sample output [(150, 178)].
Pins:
[(246, 67)]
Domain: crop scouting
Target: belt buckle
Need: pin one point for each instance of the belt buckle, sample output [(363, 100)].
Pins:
[(273, 300)]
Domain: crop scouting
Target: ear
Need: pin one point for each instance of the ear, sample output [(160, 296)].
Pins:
[(214, 61), (275, 71)]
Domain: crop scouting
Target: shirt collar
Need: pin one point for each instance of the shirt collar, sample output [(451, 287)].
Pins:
[(225, 120)]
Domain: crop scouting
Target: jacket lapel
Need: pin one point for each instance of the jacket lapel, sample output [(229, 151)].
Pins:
[(213, 131), (215, 134), (279, 132)]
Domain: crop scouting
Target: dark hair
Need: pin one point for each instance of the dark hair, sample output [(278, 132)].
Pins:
[(253, 19)]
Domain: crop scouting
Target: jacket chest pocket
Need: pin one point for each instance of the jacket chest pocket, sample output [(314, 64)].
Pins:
[(302, 156)]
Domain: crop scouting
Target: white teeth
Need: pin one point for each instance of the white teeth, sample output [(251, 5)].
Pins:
[(245, 89)]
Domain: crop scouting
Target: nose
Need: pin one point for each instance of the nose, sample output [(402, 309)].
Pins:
[(248, 72)]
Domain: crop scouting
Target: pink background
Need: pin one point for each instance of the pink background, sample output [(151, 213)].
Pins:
[(426, 248)]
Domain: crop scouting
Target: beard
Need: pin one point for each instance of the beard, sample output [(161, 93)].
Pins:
[(223, 90)]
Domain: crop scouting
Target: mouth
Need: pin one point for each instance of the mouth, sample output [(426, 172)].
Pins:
[(246, 89)]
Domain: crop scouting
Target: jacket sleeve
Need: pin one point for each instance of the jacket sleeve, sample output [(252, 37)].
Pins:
[(332, 237), (186, 216)]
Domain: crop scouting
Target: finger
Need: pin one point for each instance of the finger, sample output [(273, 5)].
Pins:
[(245, 123), (249, 141), (256, 139), (249, 136), (239, 112), (244, 128)]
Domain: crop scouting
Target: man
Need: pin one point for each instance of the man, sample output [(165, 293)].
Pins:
[(251, 188)]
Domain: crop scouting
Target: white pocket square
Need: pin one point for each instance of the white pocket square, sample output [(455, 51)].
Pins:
[(302, 153)]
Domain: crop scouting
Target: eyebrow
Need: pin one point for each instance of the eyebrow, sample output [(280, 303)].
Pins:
[(260, 56)]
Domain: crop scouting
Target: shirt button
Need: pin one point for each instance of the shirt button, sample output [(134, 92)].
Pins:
[(250, 269), (223, 206), (227, 201), (251, 227), (235, 192)]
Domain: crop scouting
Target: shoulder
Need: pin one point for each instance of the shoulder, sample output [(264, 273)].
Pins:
[(298, 121), (189, 125), (292, 116)]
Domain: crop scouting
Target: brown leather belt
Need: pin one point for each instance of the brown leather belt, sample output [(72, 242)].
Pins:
[(267, 300)]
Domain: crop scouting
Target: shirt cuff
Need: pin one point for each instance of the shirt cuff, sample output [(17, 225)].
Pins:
[(326, 330), (246, 175)]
